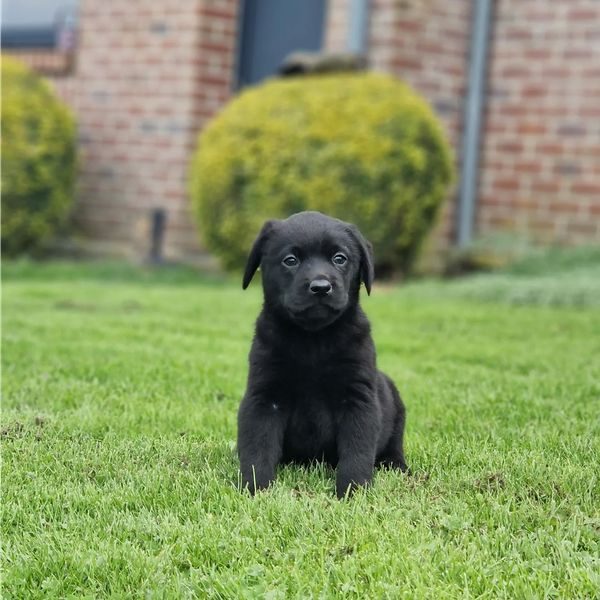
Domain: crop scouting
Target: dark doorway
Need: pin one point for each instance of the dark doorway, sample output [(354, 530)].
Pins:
[(271, 29)]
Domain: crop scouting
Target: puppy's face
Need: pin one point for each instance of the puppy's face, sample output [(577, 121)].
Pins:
[(312, 266)]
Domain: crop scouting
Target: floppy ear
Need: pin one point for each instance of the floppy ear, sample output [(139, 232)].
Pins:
[(256, 253), (367, 269)]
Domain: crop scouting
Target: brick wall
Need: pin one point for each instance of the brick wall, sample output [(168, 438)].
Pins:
[(541, 153), (149, 74), (337, 24)]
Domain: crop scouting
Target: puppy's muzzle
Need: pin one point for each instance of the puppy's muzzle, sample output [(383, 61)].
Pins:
[(320, 287)]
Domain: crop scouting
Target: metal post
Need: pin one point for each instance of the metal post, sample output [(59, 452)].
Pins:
[(358, 26), (158, 218), (480, 32)]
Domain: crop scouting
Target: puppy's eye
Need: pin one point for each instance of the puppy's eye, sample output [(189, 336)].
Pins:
[(290, 261), (339, 259)]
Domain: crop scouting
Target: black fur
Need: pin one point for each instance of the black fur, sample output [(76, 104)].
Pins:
[(314, 391)]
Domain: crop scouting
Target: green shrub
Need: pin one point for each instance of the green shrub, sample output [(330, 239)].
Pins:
[(38, 160), (361, 147)]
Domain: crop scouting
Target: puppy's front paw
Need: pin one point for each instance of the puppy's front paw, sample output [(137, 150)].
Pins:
[(346, 486), (251, 488), (255, 482)]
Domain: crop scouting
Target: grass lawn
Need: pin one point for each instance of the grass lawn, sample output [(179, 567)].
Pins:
[(120, 391)]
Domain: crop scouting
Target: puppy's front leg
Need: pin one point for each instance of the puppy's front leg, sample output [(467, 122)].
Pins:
[(357, 446), (260, 439)]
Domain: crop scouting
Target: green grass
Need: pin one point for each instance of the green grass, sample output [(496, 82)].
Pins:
[(552, 277), (120, 390)]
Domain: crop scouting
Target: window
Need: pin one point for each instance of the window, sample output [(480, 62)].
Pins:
[(271, 29)]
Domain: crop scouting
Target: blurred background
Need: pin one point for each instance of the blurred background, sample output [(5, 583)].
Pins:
[(514, 84)]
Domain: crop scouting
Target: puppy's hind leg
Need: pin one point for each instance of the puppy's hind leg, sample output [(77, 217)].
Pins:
[(393, 454)]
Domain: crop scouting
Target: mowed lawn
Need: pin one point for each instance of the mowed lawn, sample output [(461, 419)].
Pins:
[(120, 391)]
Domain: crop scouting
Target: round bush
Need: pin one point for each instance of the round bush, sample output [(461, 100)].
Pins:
[(38, 160), (361, 147)]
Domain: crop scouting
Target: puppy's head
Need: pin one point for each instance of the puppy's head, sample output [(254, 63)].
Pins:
[(312, 267)]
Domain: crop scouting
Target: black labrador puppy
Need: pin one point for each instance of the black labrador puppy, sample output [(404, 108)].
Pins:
[(314, 391)]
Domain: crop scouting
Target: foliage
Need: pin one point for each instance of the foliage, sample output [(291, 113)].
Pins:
[(361, 147), (38, 160)]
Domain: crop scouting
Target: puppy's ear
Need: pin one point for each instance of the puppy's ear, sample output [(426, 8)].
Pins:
[(367, 268), (256, 253)]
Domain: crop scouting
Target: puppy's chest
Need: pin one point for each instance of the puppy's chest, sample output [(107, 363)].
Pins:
[(312, 393), (312, 384), (312, 409), (311, 428)]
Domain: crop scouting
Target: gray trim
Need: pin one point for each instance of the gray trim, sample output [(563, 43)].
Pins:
[(480, 33), (358, 26), (236, 83)]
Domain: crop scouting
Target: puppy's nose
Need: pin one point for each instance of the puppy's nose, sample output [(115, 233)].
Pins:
[(320, 287)]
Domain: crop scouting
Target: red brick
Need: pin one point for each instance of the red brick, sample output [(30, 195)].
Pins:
[(545, 187), (408, 25), (589, 229), (531, 128), (513, 110), (219, 12), (528, 167), (411, 64), (551, 148), (592, 112), (528, 204), (513, 146), (578, 54), (515, 71), (502, 221), (592, 189), (216, 80), (518, 33), (217, 48), (506, 184), (540, 54), (560, 71), (561, 207), (534, 91), (583, 14)]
